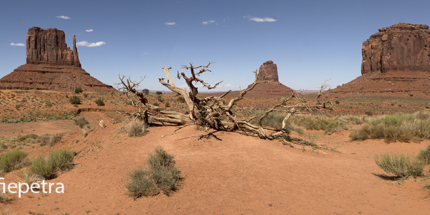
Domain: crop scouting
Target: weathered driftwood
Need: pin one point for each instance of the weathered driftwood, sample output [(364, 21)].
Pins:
[(210, 111), (145, 111), (213, 112)]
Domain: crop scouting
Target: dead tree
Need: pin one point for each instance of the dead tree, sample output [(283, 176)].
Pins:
[(144, 110), (210, 111)]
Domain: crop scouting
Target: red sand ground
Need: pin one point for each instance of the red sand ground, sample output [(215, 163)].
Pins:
[(238, 175)]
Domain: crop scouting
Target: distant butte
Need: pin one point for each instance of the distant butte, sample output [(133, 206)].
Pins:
[(268, 83), (396, 62), (51, 65)]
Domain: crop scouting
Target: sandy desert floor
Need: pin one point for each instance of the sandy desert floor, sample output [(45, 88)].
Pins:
[(235, 175)]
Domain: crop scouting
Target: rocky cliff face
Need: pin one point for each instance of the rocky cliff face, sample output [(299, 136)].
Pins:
[(51, 65), (48, 46), (268, 72), (396, 62), (400, 47)]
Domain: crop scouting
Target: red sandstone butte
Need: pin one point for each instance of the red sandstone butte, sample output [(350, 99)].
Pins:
[(396, 62), (51, 65), (268, 83)]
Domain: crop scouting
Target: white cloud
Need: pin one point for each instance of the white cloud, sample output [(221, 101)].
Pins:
[(258, 19), (87, 44), (208, 22), (63, 17), (170, 23), (89, 30), (17, 44)]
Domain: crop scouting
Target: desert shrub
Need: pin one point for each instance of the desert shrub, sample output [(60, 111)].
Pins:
[(335, 126), (56, 138), (85, 95), (368, 113), (158, 92), (167, 104), (48, 104), (396, 127), (135, 128), (181, 99), (337, 102), (156, 104), (13, 160), (28, 136), (356, 120), (100, 102), (24, 100), (162, 174), (78, 90), (75, 100), (61, 159), (160, 99), (311, 122), (401, 165), (274, 120), (141, 184), (56, 162), (81, 122), (145, 91), (424, 155), (41, 167)]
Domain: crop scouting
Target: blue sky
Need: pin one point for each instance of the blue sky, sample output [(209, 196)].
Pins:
[(310, 41)]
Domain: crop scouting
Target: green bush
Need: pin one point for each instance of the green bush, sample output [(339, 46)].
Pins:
[(396, 127), (100, 102), (160, 99), (167, 104), (28, 136), (311, 122), (145, 91), (401, 165), (335, 126), (162, 174), (41, 167), (13, 160), (78, 90), (158, 92), (75, 100), (57, 161), (424, 155), (141, 184), (85, 95), (81, 122), (156, 104)]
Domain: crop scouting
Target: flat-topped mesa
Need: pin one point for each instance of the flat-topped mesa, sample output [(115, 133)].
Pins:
[(268, 72), (400, 47), (48, 46)]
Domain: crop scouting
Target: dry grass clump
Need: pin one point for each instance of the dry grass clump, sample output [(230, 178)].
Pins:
[(6, 211), (58, 161), (134, 128), (356, 120), (401, 165), (274, 120), (161, 175), (396, 127), (81, 122), (424, 155), (13, 160), (311, 122)]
